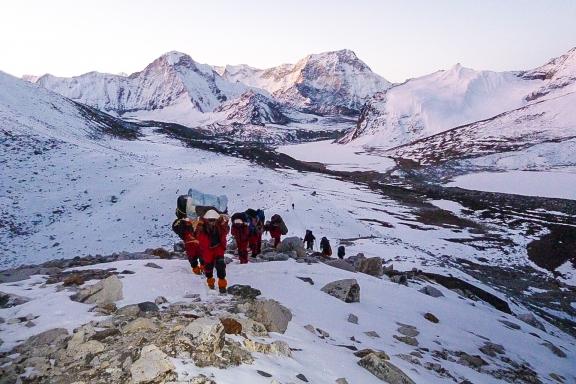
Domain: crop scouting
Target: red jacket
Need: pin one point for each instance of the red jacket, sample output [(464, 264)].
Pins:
[(275, 231), (212, 240), (241, 233)]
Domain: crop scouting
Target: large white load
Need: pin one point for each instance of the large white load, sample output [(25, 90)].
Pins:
[(196, 203)]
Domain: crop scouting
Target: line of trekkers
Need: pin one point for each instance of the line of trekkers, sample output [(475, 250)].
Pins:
[(204, 229)]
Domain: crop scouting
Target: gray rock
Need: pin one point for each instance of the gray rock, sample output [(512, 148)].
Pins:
[(510, 324), (352, 318), (399, 279), (431, 317), (340, 264), (152, 265), (289, 244), (139, 325), (306, 280), (147, 307), (407, 340), (278, 348), (408, 330), (55, 337), (384, 370), (554, 349), (492, 349), (372, 334), (273, 315), (244, 291), (8, 300), (108, 290), (346, 290), (153, 366), (474, 361), (341, 380), (202, 338), (131, 310), (431, 291), (371, 266), (275, 256), (530, 319), (160, 300), (302, 377)]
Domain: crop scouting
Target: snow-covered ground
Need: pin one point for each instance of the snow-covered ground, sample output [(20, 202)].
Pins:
[(560, 183), (464, 325), (337, 156)]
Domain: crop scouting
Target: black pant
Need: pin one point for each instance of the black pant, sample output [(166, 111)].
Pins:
[(220, 265)]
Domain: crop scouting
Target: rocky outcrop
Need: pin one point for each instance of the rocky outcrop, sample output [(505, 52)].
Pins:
[(347, 290), (289, 244), (379, 366), (108, 290), (153, 366), (371, 266)]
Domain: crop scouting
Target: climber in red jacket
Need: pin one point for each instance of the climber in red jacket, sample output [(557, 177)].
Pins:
[(185, 228), (211, 233), (241, 234)]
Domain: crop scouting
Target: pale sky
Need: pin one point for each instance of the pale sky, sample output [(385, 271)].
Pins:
[(397, 39)]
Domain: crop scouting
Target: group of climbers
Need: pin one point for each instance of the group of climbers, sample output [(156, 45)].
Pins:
[(204, 229)]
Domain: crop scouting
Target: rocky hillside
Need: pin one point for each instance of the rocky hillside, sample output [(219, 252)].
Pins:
[(435, 103), (119, 318)]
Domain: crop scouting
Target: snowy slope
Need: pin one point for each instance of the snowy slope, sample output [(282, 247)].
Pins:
[(326, 83), (550, 121), (173, 81), (464, 325), (431, 104)]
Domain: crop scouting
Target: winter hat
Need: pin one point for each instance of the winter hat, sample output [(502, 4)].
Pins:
[(211, 214)]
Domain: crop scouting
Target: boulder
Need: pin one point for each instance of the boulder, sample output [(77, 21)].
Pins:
[(8, 300), (53, 337), (252, 327), (371, 266), (346, 290), (161, 253), (530, 319), (341, 264), (430, 317), (431, 291), (202, 336), (153, 366), (292, 244), (408, 330), (352, 318), (231, 326), (152, 265), (273, 315), (108, 290), (384, 370)]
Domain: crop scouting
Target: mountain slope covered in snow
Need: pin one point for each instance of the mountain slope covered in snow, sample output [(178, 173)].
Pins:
[(431, 104)]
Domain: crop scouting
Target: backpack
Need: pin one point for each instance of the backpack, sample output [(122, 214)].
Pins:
[(277, 219), (185, 207), (341, 251), (239, 216), (260, 215)]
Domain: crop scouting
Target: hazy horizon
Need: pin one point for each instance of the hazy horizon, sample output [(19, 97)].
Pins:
[(397, 39)]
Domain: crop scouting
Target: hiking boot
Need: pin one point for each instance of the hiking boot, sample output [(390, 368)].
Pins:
[(197, 270), (210, 281), (222, 284)]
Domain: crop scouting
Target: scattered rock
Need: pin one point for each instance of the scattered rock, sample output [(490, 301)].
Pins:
[(302, 377), (273, 315), (74, 279), (101, 335), (510, 324), (371, 266), (252, 327), (262, 373), (472, 361), (384, 370), (408, 330), (399, 279), (492, 349), (365, 352), (152, 265), (431, 291), (244, 291), (372, 334), (108, 290), (310, 328), (231, 326), (341, 380), (340, 264), (148, 307), (8, 300), (530, 319), (430, 317), (139, 325), (346, 290), (104, 308), (161, 253), (554, 349), (352, 318), (153, 366), (407, 340), (306, 280), (160, 300), (131, 310), (54, 337), (279, 348)]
